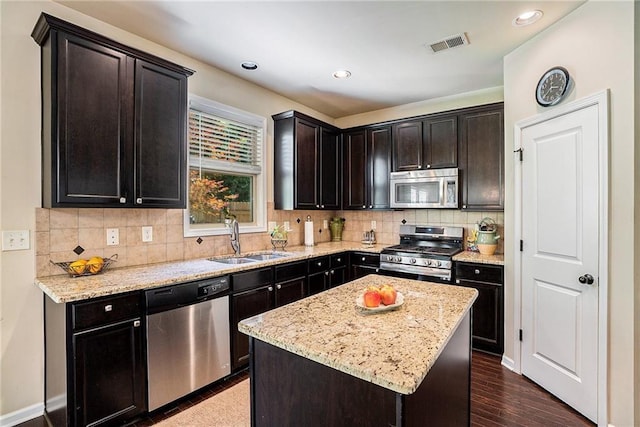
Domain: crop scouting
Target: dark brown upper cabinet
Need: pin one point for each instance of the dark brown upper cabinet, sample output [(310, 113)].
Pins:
[(482, 157), (307, 168), (428, 143), (113, 124), (366, 155)]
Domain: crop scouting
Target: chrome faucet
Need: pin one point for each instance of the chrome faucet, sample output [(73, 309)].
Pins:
[(234, 232)]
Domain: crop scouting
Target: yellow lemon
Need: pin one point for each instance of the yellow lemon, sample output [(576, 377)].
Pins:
[(78, 267), (95, 264)]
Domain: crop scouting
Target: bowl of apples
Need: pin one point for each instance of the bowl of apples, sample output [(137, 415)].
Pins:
[(380, 298)]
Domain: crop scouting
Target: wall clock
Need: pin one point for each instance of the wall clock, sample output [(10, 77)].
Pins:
[(552, 86)]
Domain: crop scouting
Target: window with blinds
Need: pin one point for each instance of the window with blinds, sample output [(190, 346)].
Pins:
[(225, 168)]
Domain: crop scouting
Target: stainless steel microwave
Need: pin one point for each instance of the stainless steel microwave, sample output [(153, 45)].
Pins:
[(435, 188)]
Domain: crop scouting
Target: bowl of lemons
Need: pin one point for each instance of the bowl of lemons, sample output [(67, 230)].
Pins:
[(86, 267)]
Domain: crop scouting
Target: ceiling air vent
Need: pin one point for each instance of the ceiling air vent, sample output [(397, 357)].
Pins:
[(449, 42)]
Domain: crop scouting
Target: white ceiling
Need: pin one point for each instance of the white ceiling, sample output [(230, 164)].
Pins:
[(299, 44)]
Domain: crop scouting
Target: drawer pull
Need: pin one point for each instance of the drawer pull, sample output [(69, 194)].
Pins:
[(333, 272), (278, 286), (326, 273), (364, 259), (339, 260), (123, 200), (270, 288), (136, 323), (108, 308), (476, 271), (319, 263), (139, 200)]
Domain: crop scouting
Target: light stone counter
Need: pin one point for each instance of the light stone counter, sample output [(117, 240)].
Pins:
[(394, 349), (477, 257), (63, 289)]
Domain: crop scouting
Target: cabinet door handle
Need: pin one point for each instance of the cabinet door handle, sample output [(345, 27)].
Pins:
[(278, 286), (476, 271), (419, 166), (317, 206), (364, 206), (370, 206), (123, 200), (136, 323), (326, 273), (322, 206), (339, 260), (108, 308), (458, 281), (139, 200), (377, 270), (363, 259), (270, 288), (428, 166), (319, 263), (333, 272), (464, 206)]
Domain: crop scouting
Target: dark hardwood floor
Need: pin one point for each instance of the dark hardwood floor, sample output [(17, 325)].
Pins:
[(498, 398)]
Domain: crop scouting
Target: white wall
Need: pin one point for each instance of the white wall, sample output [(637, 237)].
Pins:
[(596, 44)]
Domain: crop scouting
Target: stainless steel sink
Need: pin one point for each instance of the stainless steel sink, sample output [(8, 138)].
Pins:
[(232, 260), (266, 257)]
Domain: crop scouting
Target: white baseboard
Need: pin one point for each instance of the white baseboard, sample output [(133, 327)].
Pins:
[(508, 363), (22, 415)]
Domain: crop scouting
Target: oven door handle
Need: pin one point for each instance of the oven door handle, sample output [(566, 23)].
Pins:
[(422, 271)]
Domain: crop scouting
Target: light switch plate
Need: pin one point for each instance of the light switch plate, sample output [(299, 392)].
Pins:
[(325, 224), (147, 234), (271, 225), (373, 225), (15, 240), (287, 226)]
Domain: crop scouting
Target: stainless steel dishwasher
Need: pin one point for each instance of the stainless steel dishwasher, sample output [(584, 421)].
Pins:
[(188, 343)]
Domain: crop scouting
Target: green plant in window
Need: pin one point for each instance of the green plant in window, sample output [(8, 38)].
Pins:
[(208, 199)]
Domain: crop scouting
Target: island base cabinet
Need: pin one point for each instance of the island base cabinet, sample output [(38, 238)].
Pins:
[(313, 394)]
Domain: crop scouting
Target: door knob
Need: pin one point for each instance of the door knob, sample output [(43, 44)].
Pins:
[(586, 278)]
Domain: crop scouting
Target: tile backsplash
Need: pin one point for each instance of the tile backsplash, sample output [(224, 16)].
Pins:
[(60, 231)]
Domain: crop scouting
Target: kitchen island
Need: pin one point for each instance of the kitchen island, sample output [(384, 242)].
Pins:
[(324, 361)]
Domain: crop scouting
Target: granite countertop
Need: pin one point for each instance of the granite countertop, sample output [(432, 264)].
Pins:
[(63, 289), (393, 349), (477, 257)]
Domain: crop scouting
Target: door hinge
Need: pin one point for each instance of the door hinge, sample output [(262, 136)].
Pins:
[(520, 334), (520, 151), (521, 245)]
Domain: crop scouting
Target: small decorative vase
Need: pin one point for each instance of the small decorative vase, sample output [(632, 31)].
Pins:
[(335, 228)]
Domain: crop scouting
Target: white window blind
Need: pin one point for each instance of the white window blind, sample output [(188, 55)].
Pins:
[(217, 141)]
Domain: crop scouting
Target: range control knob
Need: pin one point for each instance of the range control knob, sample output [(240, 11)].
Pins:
[(413, 260), (427, 262), (399, 259), (437, 263)]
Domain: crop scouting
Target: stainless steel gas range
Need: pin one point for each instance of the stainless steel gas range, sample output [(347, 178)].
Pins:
[(425, 253)]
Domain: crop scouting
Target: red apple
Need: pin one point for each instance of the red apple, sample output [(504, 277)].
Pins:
[(388, 294), (372, 298)]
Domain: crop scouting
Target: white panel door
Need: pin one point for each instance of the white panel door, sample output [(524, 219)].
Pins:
[(560, 257)]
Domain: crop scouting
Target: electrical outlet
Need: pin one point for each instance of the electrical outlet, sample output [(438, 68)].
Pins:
[(271, 225), (325, 224), (15, 240), (113, 237), (373, 225), (147, 234), (287, 226)]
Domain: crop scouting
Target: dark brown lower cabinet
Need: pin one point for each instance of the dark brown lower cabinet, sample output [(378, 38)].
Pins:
[(108, 373), (258, 291), (324, 396), (94, 361), (488, 310), (363, 263), (327, 272)]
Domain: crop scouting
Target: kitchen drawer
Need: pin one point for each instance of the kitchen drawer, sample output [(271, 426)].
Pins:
[(479, 272), (291, 271), (339, 260), (251, 279), (106, 310), (365, 258), (319, 264)]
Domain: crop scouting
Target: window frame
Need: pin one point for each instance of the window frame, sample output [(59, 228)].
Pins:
[(260, 179)]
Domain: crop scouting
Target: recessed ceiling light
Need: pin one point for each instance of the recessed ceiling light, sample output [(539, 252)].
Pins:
[(249, 65), (342, 74), (527, 18)]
